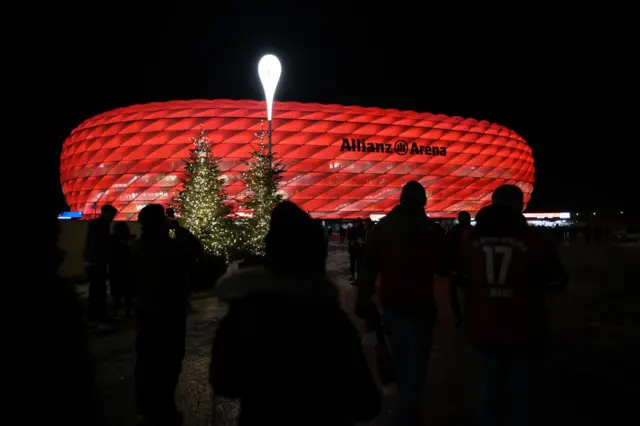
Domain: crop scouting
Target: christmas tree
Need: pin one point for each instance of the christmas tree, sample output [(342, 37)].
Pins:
[(201, 204), (262, 179)]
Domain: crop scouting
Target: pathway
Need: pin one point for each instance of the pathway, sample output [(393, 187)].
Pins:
[(584, 380)]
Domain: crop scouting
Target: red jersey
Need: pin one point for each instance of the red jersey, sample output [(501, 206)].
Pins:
[(507, 267)]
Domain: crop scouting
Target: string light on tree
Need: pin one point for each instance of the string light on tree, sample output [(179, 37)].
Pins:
[(262, 180), (202, 202)]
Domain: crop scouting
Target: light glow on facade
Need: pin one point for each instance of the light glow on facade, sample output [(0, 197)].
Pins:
[(340, 161)]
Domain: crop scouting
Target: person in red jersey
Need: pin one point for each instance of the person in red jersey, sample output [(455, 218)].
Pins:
[(405, 251), (507, 267)]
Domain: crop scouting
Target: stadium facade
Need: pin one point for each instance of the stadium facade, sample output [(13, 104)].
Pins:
[(339, 161)]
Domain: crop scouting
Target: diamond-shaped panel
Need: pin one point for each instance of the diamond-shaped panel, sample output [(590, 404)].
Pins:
[(340, 161)]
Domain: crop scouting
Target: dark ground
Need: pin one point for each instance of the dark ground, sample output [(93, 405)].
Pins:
[(586, 378)]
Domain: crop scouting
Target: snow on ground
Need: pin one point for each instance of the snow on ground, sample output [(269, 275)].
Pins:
[(583, 380), (114, 357)]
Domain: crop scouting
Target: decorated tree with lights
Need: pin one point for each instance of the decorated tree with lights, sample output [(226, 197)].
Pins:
[(262, 180), (201, 204)]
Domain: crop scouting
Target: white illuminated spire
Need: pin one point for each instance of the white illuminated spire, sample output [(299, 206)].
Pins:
[(269, 70)]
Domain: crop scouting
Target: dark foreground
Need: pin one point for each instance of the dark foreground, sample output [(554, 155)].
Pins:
[(587, 378)]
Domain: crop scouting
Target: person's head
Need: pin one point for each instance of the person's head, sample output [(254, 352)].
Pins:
[(121, 230), (509, 196), (108, 212), (171, 213), (413, 195), (153, 220), (464, 218), (295, 242)]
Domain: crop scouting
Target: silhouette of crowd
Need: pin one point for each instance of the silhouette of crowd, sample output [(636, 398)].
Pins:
[(285, 349)]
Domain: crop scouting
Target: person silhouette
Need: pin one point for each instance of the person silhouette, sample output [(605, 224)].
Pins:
[(506, 267), (455, 235), (96, 258), (405, 251), (52, 346), (197, 272), (161, 265), (355, 240), (285, 347), (120, 269)]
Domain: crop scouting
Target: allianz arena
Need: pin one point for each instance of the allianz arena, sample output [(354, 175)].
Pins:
[(340, 161)]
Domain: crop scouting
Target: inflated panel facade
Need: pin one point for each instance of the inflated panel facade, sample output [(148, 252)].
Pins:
[(340, 161)]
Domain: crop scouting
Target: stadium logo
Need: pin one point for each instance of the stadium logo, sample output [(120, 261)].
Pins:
[(399, 147)]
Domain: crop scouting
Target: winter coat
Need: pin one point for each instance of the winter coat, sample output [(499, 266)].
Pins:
[(161, 267), (289, 353), (405, 250)]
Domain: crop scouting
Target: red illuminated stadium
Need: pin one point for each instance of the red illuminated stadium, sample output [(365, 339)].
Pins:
[(340, 161)]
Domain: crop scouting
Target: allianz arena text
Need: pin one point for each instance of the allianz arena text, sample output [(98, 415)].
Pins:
[(339, 161)]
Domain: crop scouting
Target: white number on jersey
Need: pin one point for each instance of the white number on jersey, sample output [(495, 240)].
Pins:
[(489, 254)]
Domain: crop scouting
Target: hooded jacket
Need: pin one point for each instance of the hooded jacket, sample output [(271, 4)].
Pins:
[(288, 351), (404, 250), (507, 266)]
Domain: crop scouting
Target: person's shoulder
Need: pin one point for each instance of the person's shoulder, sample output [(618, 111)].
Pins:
[(387, 219), (180, 245), (237, 284), (486, 210), (183, 232)]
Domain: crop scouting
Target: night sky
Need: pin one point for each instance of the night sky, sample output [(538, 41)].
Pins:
[(564, 84)]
